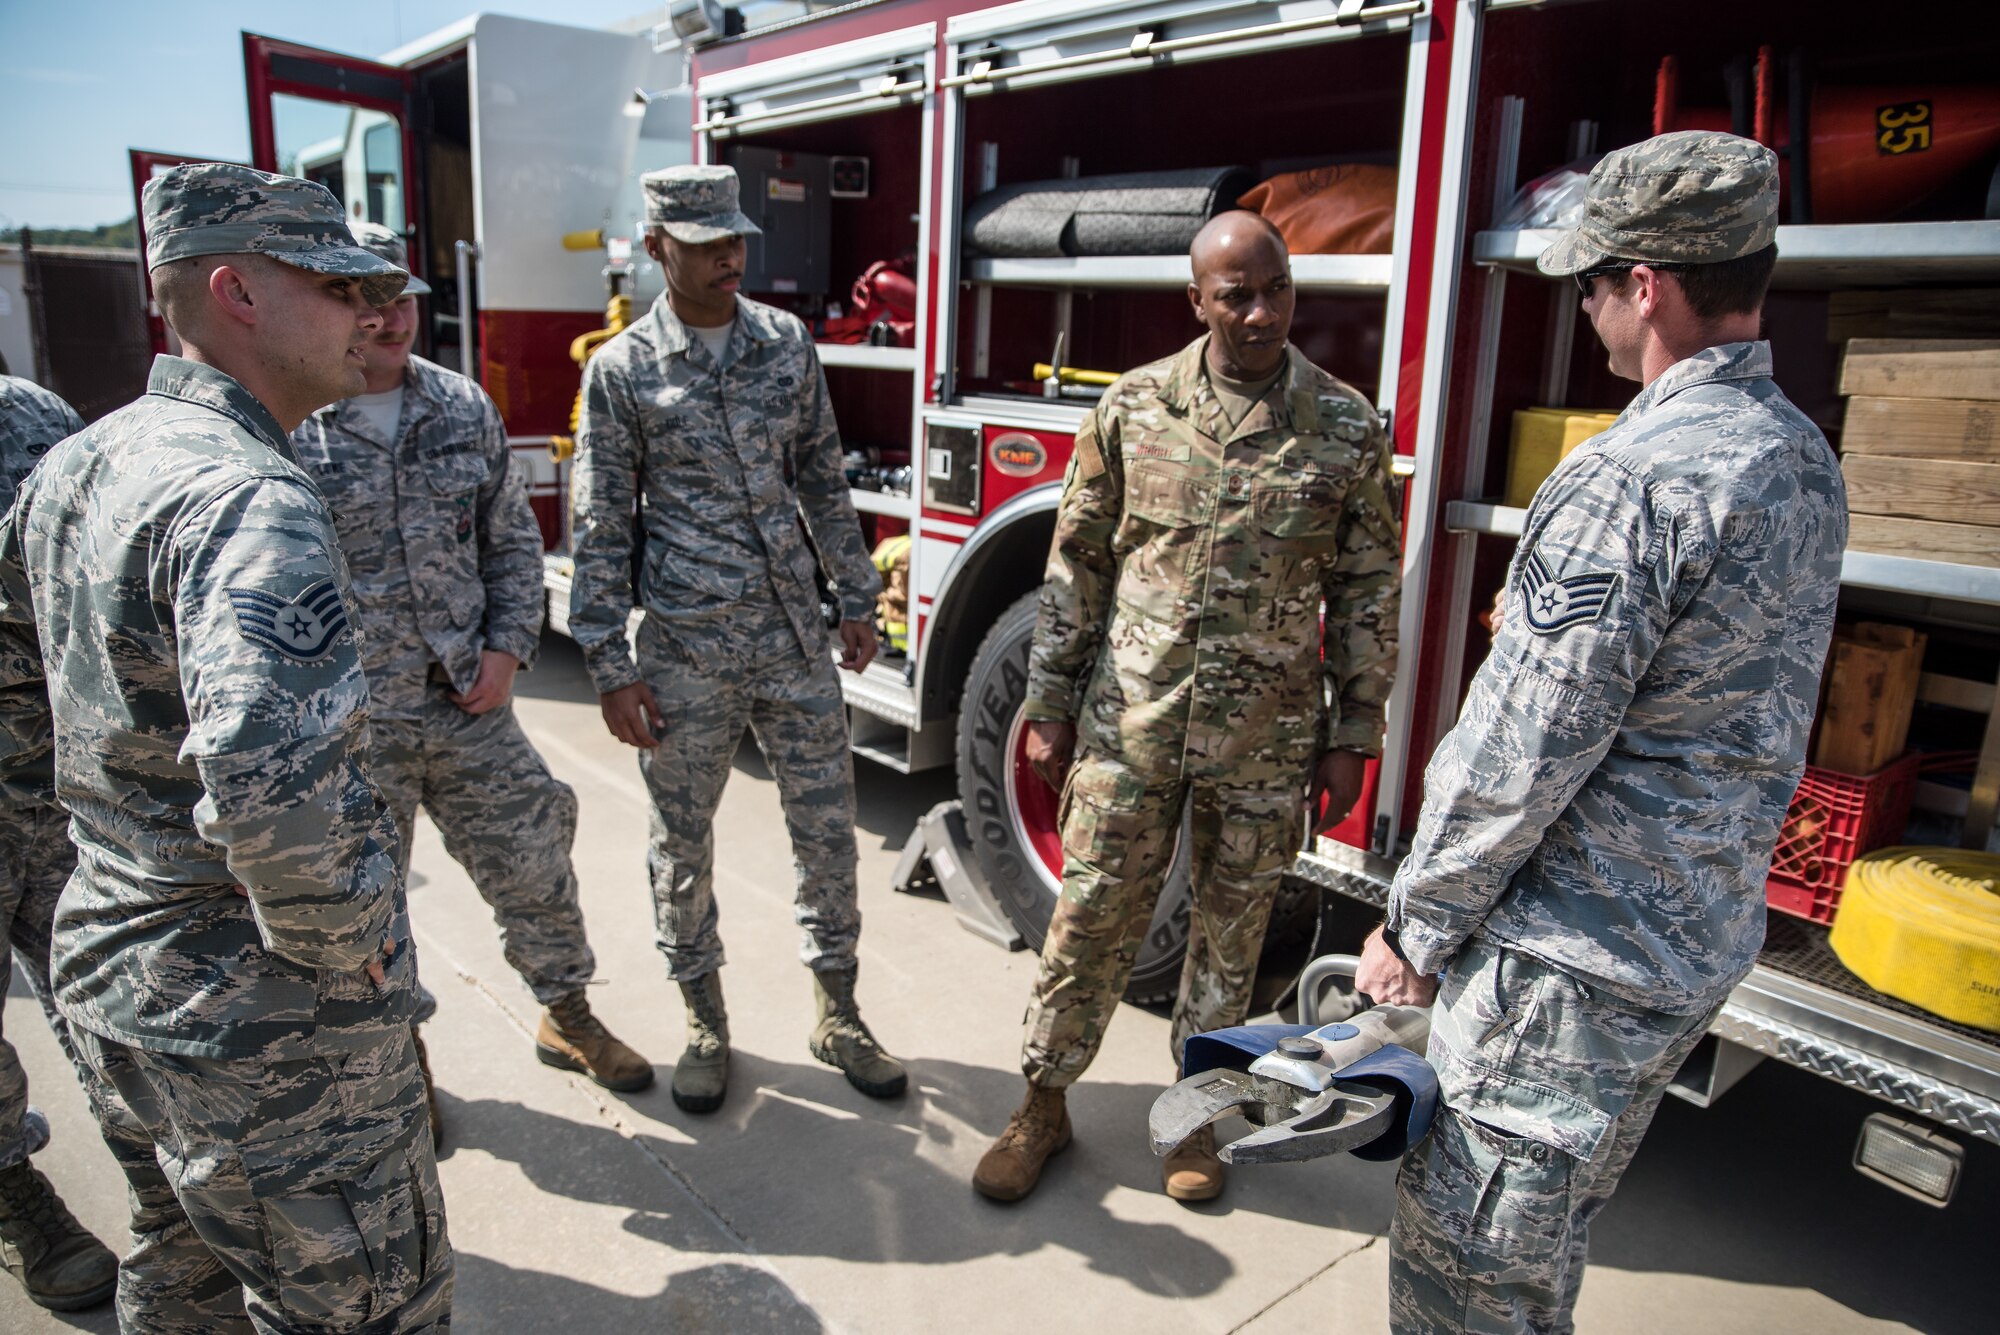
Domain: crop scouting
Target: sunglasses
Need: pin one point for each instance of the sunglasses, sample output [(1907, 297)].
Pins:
[(1586, 282)]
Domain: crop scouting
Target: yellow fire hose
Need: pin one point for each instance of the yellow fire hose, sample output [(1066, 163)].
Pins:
[(617, 314), (1923, 925)]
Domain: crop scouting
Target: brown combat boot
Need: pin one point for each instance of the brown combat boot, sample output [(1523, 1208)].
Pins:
[(701, 1076), (573, 1039), (1038, 1129), (430, 1089), (61, 1265), (1192, 1172), (841, 1039)]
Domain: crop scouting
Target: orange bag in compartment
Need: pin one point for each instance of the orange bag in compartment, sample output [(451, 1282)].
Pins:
[(1345, 209)]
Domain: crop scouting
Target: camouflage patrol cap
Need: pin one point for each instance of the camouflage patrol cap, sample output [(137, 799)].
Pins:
[(391, 247), (219, 208), (696, 204), (1690, 197)]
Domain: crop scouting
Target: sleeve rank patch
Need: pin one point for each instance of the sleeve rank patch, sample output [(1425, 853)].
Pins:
[(304, 628), (1551, 603)]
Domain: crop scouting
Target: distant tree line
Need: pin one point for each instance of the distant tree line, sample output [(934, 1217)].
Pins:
[(107, 236)]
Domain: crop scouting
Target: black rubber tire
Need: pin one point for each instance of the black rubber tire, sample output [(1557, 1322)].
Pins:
[(995, 688)]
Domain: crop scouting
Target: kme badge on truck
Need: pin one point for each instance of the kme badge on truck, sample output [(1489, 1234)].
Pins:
[(1553, 603)]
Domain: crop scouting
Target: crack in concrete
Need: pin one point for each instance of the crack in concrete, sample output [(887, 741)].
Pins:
[(1326, 1269), (612, 1115)]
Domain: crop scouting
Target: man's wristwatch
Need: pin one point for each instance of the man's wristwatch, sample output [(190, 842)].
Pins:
[(1391, 939)]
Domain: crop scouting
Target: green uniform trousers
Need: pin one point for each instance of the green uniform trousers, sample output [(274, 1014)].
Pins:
[(1119, 833), (505, 819), (301, 1195), (1547, 1086), (710, 684), (36, 858)]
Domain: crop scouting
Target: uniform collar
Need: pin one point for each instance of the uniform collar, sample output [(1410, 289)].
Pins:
[(205, 387), (1724, 361), (674, 339), (1292, 410), (420, 396)]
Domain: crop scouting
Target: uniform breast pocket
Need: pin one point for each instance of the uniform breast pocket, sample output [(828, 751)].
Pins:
[(452, 482), (1160, 542), (1301, 518)]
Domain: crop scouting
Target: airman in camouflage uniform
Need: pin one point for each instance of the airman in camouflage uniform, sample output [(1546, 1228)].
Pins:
[(446, 560), (714, 408), (1588, 872), (1201, 529), (56, 1259), (233, 953)]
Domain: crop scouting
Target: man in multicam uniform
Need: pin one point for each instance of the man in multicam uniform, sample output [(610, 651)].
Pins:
[(55, 1258), (233, 952), (1215, 500), (1588, 872), (446, 560), (714, 406)]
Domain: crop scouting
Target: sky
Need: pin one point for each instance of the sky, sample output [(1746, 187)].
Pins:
[(81, 81)]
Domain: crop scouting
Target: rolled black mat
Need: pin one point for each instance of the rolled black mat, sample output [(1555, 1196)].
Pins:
[(1130, 213)]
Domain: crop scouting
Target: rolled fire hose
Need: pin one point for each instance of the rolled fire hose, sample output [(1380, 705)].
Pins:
[(1923, 925)]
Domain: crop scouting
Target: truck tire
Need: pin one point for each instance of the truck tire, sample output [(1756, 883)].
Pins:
[(1011, 814)]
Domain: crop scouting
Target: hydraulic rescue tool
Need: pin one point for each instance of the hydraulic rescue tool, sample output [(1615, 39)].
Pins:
[(1358, 1086)]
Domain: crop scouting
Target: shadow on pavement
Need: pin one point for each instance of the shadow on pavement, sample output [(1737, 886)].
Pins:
[(816, 1169), (1723, 1166), (718, 1297)]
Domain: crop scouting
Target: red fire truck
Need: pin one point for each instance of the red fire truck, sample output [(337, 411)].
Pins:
[(867, 134)]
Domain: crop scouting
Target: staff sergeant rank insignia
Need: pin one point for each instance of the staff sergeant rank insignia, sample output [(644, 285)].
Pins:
[(1553, 603), (303, 628)]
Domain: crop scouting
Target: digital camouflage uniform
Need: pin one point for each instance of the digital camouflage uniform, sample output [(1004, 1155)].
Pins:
[(36, 856), (1180, 628), (178, 574), (726, 458), (446, 561), (1588, 872)]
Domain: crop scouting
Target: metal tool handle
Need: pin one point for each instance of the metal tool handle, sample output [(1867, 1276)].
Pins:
[(1315, 977)]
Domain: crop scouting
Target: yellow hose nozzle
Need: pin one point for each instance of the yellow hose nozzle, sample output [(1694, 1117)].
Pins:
[(1070, 375)]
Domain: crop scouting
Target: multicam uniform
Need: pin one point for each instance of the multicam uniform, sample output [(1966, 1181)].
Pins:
[(1588, 872), (36, 856), (1180, 628), (178, 574), (726, 457), (446, 561)]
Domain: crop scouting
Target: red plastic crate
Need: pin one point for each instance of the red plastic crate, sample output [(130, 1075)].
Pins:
[(1835, 818)]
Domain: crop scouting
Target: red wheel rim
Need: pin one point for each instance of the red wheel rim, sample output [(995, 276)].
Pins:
[(1033, 806)]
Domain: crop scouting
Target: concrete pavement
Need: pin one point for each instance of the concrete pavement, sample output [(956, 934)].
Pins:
[(803, 1206)]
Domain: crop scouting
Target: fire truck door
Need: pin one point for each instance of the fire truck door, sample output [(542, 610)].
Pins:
[(147, 164), (342, 121)]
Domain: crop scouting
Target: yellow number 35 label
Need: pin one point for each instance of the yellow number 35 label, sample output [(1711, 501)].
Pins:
[(1902, 127)]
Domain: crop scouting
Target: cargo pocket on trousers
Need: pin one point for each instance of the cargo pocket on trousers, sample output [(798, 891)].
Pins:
[(351, 1250), (1503, 1199)]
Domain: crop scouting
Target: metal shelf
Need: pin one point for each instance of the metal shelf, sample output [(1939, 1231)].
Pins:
[(1310, 273), (1865, 570), (1853, 255), (867, 356), (882, 503)]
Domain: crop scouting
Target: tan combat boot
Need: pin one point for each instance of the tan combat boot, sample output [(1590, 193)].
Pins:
[(702, 1073), (841, 1039), (1038, 1129), (573, 1039), (61, 1265), (430, 1089), (1191, 1171)]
